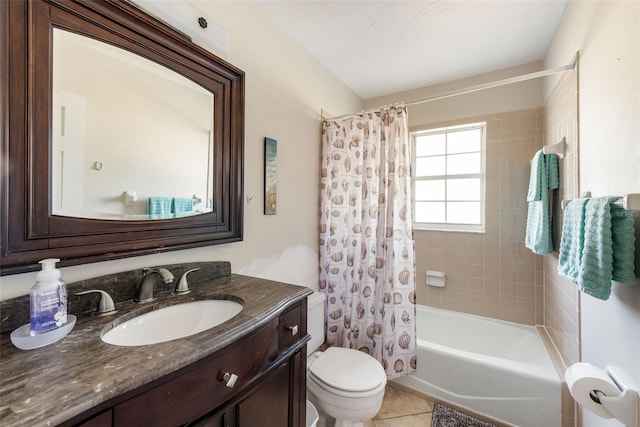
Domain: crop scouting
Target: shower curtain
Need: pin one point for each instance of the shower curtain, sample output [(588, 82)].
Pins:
[(367, 268)]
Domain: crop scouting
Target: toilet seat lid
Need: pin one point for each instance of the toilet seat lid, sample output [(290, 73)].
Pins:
[(347, 369)]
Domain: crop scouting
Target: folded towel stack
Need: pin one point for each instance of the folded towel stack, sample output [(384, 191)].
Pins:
[(544, 177), (597, 245)]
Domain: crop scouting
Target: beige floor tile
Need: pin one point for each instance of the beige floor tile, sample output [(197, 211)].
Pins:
[(420, 420), (398, 403)]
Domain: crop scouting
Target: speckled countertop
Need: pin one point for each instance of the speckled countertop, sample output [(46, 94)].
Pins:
[(46, 386)]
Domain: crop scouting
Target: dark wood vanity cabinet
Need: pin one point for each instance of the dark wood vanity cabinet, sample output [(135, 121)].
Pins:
[(103, 419), (270, 389)]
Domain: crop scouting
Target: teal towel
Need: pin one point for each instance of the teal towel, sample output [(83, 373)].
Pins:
[(597, 245), (624, 245), (159, 207), (181, 205), (537, 177), (545, 178), (596, 270), (553, 174), (572, 239)]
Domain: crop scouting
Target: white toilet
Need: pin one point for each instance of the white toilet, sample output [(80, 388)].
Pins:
[(345, 384)]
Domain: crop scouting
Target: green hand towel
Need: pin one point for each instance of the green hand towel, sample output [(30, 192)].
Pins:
[(572, 239), (551, 168), (596, 270), (159, 207), (537, 177), (181, 205), (538, 231), (597, 246), (624, 245)]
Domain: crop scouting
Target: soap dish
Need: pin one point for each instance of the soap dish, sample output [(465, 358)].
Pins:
[(22, 339)]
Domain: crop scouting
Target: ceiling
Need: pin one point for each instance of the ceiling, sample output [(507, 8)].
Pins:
[(379, 47)]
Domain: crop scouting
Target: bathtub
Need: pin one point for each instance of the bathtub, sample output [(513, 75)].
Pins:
[(496, 368)]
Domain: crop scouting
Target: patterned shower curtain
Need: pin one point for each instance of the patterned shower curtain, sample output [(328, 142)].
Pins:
[(367, 268)]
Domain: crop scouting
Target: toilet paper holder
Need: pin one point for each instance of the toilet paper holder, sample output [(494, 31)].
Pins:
[(622, 406)]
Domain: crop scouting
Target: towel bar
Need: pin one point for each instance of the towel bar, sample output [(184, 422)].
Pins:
[(558, 148), (629, 201)]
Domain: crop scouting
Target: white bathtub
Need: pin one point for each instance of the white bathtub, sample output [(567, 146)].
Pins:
[(500, 369)]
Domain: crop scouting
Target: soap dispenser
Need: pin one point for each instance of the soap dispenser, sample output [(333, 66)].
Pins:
[(48, 299)]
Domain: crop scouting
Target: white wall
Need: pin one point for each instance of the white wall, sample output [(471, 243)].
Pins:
[(514, 97), (285, 90), (607, 35)]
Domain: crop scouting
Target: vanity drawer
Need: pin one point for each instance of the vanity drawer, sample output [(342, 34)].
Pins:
[(101, 420), (290, 327), (201, 388)]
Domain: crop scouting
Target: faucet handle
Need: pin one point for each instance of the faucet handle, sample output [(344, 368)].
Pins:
[(183, 286), (167, 276), (106, 306)]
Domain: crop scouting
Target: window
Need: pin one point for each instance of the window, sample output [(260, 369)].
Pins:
[(448, 178)]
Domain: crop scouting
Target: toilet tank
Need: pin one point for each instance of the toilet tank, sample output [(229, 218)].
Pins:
[(315, 321)]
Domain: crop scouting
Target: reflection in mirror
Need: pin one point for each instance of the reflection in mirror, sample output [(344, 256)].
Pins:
[(131, 138), (47, 202)]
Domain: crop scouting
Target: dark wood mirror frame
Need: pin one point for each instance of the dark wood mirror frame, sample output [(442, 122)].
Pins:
[(29, 230)]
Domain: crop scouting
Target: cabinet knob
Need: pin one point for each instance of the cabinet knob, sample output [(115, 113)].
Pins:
[(293, 329), (230, 379)]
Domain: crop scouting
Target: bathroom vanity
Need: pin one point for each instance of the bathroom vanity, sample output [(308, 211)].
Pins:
[(247, 371)]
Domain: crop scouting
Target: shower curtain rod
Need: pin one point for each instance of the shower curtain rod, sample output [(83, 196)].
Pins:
[(471, 89)]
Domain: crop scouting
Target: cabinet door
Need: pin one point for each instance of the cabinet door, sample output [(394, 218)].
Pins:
[(268, 405), (298, 384), (221, 418), (103, 419), (201, 387)]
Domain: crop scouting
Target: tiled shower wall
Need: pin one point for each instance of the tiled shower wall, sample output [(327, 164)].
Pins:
[(561, 297), (491, 274), (561, 312)]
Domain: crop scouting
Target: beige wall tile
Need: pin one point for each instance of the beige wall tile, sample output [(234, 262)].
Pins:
[(561, 299), (486, 272)]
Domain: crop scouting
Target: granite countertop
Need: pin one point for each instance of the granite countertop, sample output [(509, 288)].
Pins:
[(49, 385)]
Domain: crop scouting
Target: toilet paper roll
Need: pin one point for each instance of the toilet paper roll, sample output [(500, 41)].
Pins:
[(582, 379)]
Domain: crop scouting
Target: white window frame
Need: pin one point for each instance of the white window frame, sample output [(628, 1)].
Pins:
[(471, 228)]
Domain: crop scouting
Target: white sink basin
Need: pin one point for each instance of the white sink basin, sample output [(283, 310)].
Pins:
[(173, 322)]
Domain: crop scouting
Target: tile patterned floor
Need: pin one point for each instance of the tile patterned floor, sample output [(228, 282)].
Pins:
[(402, 409)]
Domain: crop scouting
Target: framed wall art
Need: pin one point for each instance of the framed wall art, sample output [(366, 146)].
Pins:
[(270, 176)]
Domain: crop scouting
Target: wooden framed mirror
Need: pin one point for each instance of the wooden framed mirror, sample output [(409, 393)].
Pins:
[(97, 162)]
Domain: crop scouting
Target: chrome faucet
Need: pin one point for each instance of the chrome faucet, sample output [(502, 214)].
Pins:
[(146, 289)]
